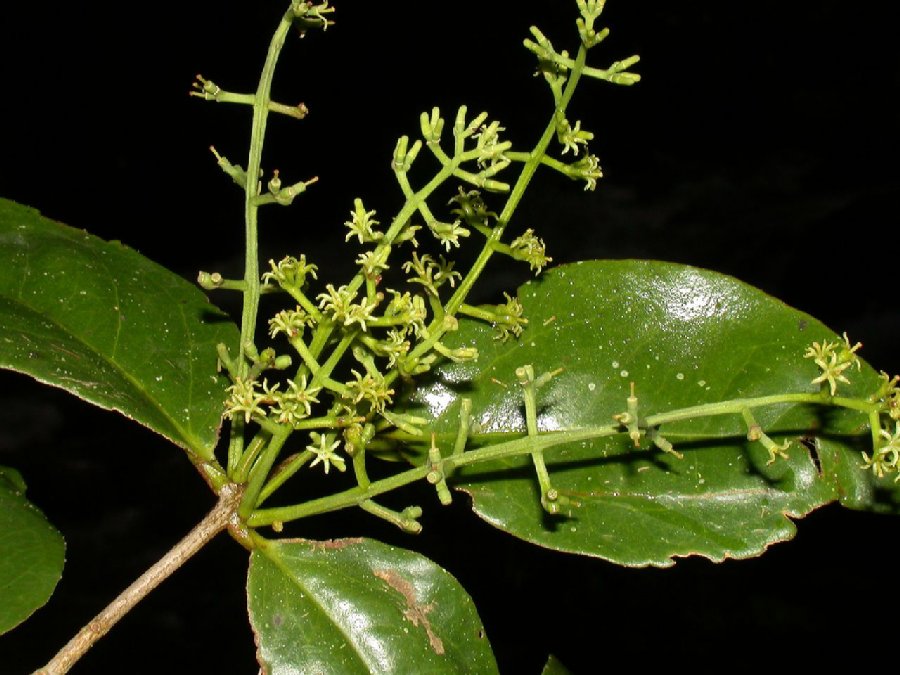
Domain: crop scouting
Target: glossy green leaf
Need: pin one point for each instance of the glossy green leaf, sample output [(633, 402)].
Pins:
[(32, 553), (685, 337), (110, 326), (359, 606)]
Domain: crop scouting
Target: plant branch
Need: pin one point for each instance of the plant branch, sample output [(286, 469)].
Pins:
[(214, 522), (251, 206), (530, 444)]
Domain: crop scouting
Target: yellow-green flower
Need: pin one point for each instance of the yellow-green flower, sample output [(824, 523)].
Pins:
[(323, 447), (833, 358)]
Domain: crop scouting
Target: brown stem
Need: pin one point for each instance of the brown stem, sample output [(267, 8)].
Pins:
[(214, 522)]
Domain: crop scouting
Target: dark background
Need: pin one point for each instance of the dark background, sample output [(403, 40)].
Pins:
[(762, 143)]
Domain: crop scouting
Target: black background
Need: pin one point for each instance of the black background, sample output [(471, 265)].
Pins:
[(762, 142)]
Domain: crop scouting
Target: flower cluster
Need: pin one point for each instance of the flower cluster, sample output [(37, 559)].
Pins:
[(291, 322), (833, 359), (490, 147), (471, 208), (311, 15), (448, 234), (531, 249), (588, 169), (394, 346), (407, 311), (247, 398), (572, 137), (294, 404), (370, 387), (885, 458), (509, 319), (361, 224), (338, 303), (373, 263), (244, 398), (431, 273), (290, 272)]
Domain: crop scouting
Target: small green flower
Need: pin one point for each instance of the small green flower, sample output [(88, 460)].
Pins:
[(531, 249), (490, 147), (290, 272), (243, 397), (832, 372), (885, 459), (323, 447), (471, 208), (360, 313), (361, 223), (590, 12), (394, 346), (571, 137), (888, 395), (588, 169), (295, 404), (833, 358), (444, 273), (430, 273), (404, 155), (448, 234), (408, 233), (400, 305), (310, 15), (407, 309), (370, 387), (373, 263), (291, 322), (509, 319), (413, 366), (337, 302)]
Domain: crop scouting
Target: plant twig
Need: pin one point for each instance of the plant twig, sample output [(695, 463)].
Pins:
[(214, 522)]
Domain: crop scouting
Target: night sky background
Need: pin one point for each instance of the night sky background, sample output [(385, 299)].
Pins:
[(762, 143)]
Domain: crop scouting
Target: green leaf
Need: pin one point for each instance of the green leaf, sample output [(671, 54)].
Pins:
[(32, 553), (101, 321), (685, 337), (360, 606), (554, 667)]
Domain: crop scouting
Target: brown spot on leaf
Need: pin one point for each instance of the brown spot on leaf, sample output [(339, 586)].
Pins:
[(415, 612)]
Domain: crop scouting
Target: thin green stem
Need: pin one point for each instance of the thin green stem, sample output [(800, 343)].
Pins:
[(737, 406), (530, 444), (322, 375), (251, 282), (243, 466), (477, 313), (235, 443), (260, 472), (261, 108), (283, 473)]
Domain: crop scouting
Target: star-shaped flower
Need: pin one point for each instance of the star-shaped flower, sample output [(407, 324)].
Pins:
[(325, 452)]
